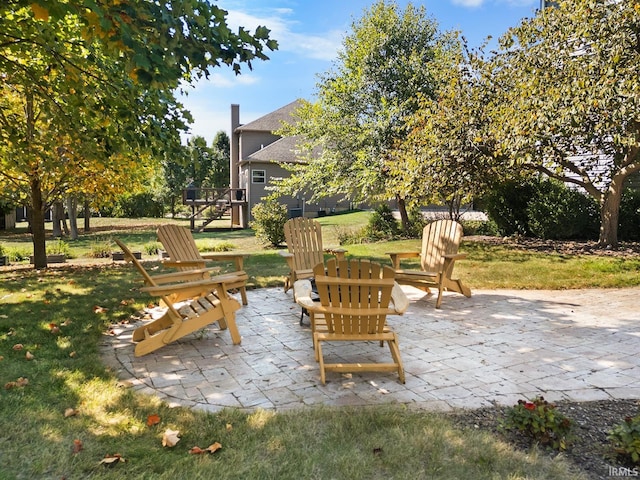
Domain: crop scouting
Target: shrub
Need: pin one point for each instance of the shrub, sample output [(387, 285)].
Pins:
[(539, 420), (480, 227), (134, 205), (382, 225), (269, 218), (100, 249), (629, 223), (507, 203), (559, 212), (417, 223), (17, 254), (2, 251), (626, 439), (58, 247), (151, 248)]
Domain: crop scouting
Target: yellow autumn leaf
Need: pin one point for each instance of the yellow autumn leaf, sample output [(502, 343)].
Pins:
[(214, 447), (40, 12), (29, 356), (70, 412)]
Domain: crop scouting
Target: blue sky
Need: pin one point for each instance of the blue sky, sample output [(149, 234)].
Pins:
[(310, 32)]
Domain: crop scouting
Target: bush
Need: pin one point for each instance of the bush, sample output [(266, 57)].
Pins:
[(100, 249), (507, 203), (629, 223), (17, 254), (58, 247), (269, 218), (417, 222), (480, 227), (626, 439), (213, 246), (382, 225), (539, 420), (558, 212), (151, 248)]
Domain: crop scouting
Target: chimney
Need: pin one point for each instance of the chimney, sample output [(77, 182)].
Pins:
[(234, 147)]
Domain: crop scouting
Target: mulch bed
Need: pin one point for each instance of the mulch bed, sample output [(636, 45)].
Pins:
[(590, 452)]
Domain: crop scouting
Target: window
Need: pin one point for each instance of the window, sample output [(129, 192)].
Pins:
[(258, 176)]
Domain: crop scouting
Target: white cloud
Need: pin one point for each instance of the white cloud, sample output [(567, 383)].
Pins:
[(318, 47), (468, 3)]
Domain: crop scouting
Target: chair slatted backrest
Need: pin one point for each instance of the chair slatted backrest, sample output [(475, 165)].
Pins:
[(304, 242), (148, 279), (180, 244), (357, 294), (439, 238)]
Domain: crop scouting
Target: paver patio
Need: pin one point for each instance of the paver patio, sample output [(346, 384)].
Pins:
[(493, 348)]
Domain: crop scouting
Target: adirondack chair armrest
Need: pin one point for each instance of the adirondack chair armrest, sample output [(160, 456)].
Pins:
[(237, 258), (339, 253), (397, 256), (187, 275), (288, 256), (201, 286), (183, 263)]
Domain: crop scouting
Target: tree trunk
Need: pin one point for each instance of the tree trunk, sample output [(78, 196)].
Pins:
[(404, 217), (37, 225), (87, 215), (58, 218), (72, 208), (609, 216)]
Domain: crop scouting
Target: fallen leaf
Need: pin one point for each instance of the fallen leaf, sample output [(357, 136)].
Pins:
[(170, 438), (72, 354), (29, 356), (18, 346), (99, 309), (54, 328), (77, 446), (66, 322), (214, 447), (10, 385), (1, 358), (70, 412), (229, 427), (196, 450), (153, 420), (111, 460), (46, 301), (22, 382)]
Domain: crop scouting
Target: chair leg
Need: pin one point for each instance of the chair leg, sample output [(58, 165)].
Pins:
[(319, 358), (395, 353)]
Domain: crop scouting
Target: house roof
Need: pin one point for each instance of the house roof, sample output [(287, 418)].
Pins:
[(282, 150), (272, 121)]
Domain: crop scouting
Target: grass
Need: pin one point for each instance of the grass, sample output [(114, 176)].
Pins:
[(52, 315)]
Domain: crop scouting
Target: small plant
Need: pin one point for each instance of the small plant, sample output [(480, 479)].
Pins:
[(152, 248), (626, 439), (100, 249), (59, 247), (269, 219), (539, 420), (2, 251)]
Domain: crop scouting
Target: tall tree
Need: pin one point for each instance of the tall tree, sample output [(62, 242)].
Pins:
[(221, 150), (449, 154), (87, 90), (568, 102), (364, 104)]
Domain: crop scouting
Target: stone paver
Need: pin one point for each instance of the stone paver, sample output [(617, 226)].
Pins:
[(493, 348)]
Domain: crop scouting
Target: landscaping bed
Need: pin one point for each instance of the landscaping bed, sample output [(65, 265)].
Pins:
[(590, 452)]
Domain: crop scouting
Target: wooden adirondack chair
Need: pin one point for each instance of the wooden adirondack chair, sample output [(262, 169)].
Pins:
[(206, 301), (355, 299), (184, 255), (304, 243), (440, 242)]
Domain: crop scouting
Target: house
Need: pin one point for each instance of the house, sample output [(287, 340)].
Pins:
[(257, 157)]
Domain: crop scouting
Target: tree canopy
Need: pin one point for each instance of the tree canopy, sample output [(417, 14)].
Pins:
[(364, 105), (88, 90), (567, 98)]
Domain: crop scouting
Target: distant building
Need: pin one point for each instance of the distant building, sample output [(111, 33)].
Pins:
[(257, 156)]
